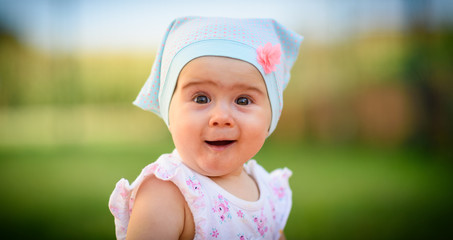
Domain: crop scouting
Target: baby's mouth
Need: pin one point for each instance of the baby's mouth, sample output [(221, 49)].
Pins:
[(220, 143)]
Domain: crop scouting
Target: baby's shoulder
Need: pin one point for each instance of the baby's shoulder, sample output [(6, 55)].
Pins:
[(153, 187), (153, 199), (159, 196), (159, 208), (156, 184)]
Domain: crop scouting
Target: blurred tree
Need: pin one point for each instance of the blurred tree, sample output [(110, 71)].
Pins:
[(429, 73), (10, 50)]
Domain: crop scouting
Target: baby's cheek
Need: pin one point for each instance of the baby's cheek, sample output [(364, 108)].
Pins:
[(258, 127)]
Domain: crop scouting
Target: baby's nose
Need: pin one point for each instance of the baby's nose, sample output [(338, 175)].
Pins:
[(221, 116)]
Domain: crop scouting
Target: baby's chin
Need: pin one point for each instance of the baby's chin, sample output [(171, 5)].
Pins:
[(212, 170)]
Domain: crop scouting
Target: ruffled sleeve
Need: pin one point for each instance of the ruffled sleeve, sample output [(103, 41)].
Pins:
[(279, 184), (122, 198)]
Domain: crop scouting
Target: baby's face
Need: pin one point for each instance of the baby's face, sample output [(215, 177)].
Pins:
[(219, 115)]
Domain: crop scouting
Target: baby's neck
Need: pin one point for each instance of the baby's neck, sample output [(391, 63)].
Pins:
[(241, 185)]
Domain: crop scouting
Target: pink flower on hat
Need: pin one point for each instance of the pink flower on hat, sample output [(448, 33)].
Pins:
[(269, 56)]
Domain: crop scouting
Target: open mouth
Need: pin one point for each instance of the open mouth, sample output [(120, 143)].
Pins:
[(220, 143)]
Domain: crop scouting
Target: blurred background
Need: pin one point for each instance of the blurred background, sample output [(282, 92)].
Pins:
[(367, 124)]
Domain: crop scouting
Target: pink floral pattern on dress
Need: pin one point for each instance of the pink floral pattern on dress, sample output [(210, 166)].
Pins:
[(222, 208), (124, 192), (197, 194), (261, 223), (159, 171), (278, 189), (241, 236), (214, 233), (131, 204), (195, 185), (271, 203)]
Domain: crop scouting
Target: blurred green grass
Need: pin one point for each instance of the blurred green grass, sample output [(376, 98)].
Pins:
[(339, 192)]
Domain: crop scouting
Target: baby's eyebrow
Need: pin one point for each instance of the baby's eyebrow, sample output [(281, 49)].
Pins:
[(197, 83), (253, 88)]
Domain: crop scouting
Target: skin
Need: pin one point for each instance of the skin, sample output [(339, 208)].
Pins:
[(219, 119)]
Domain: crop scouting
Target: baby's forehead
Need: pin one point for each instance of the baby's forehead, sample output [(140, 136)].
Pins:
[(222, 71)]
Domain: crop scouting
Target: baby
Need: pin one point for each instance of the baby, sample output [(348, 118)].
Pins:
[(218, 85)]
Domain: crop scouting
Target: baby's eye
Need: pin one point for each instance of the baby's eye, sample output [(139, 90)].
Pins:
[(201, 99), (243, 101)]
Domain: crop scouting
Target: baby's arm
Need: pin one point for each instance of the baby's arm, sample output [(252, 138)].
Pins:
[(159, 212)]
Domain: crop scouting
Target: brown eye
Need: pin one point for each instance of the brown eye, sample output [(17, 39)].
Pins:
[(243, 101), (201, 99)]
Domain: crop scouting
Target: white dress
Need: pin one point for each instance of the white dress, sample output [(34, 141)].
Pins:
[(217, 213)]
